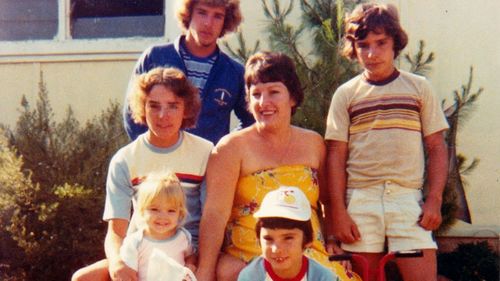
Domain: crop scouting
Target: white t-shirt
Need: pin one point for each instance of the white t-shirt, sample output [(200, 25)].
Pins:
[(138, 252)]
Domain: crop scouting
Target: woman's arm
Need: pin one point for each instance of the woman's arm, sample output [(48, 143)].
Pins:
[(222, 175)]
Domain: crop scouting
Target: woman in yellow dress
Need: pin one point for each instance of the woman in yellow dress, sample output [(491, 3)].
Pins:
[(247, 164)]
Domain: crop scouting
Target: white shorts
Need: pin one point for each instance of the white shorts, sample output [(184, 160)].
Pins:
[(387, 211)]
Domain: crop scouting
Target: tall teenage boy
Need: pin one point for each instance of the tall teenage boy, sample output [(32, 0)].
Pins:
[(380, 125)]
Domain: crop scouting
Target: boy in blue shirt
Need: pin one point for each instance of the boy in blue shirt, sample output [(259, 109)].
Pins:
[(284, 230)]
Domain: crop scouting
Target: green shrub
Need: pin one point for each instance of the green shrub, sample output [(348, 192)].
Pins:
[(52, 188)]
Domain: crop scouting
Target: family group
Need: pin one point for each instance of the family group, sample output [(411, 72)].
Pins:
[(190, 199)]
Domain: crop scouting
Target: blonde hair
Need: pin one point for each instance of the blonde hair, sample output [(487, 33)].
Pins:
[(162, 185)]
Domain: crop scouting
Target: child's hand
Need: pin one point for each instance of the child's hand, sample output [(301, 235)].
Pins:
[(333, 249), (187, 278), (191, 267)]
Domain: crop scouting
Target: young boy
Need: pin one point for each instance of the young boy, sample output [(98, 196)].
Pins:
[(284, 230), (379, 126)]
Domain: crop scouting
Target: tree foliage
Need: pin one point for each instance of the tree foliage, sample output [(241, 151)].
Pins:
[(464, 102), (52, 180), (418, 64), (12, 181)]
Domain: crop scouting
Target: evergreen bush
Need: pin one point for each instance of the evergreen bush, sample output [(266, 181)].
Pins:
[(52, 181)]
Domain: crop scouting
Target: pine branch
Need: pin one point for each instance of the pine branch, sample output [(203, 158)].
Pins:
[(419, 65), (470, 168), (464, 101), (285, 35), (340, 18), (242, 53)]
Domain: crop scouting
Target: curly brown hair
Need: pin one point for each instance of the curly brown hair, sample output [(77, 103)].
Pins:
[(263, 67), (232, 19), (174, 80), (377, 18)]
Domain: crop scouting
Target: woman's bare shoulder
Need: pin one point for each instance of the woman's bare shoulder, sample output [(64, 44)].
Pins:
[(308, 135), (234, 141)]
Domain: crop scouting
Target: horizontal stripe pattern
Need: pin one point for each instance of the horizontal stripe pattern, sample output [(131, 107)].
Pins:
[(183, 178), (189, 178), (385, 112), (198, 69)]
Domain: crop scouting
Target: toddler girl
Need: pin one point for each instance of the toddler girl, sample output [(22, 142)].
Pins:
[(161, 248)]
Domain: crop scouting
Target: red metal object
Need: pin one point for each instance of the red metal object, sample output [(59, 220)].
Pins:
[(380, 271)]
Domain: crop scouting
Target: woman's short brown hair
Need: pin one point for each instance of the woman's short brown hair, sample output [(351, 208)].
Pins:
[(377, 18), (172, 79), (231, 21), (264, 67)]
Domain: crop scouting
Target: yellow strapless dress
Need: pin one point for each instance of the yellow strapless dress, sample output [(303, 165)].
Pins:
[(241, 241)]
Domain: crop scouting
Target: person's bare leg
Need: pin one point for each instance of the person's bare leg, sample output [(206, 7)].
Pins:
[(372, 259), (229, 267), (95, 272), (417, 269)]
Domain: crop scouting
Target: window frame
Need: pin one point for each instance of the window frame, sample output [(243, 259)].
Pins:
[(105, 27), (65, 48)]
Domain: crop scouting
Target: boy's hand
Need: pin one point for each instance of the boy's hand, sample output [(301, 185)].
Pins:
[(191, 267), (430, 219), (345, 229), (333, 249), (119, 271)]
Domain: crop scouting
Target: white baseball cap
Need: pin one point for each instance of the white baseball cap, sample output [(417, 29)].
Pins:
[(285, 202)]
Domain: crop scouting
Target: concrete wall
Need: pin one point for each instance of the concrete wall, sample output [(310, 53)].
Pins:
[(89, 73)]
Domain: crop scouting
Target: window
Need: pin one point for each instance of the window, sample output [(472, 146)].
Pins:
[(116, 18), (28, 19)]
